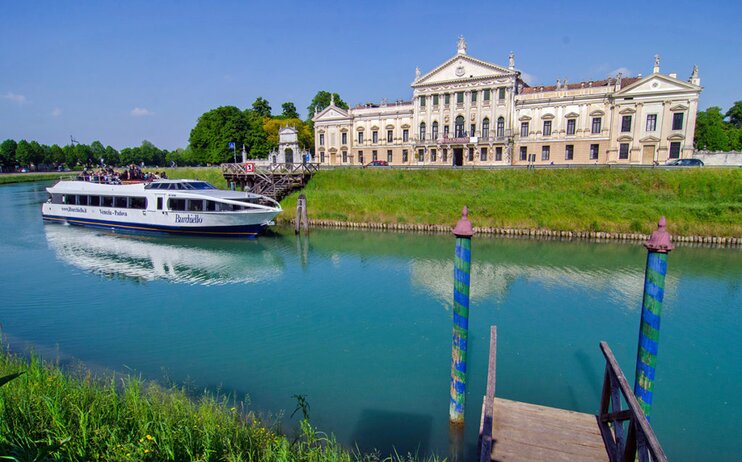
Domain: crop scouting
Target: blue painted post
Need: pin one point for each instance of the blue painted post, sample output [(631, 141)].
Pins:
[(461, 274), (658, 245)]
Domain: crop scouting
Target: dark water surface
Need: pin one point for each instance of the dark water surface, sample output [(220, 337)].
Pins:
[(361, 323)]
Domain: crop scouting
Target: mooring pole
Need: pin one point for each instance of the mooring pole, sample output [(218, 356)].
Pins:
[(658, 246), (304, 213), (461, 278)]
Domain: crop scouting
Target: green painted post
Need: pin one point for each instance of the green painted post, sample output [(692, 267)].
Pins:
[(461, 273), (658, 246)]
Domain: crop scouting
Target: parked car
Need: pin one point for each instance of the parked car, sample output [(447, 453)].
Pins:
[(378, 163), (685, 163)]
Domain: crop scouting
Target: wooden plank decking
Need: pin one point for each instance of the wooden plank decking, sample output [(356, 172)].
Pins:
[(529, 432)]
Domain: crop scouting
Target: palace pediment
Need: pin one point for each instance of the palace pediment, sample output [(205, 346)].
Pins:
[(331, 113), (571, 115), (649, 139), (656, 83), (461, 68), (597, 113), (676, 137)]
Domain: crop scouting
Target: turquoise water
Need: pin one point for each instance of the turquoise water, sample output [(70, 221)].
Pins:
[(361, 323)]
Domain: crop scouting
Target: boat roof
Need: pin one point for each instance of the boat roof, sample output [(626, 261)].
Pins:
[(87, 187)]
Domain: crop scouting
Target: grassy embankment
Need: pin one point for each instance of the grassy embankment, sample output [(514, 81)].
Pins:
[(47, 414), (7, 178), (695, 201)]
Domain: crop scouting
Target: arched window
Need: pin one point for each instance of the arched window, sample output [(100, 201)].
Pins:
[(486, 128), (422, 131), (435, 130), (500, 127), (459, 127)]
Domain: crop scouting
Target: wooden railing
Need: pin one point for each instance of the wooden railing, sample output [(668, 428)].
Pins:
[(637, 441), (268, 168), (485, 426)]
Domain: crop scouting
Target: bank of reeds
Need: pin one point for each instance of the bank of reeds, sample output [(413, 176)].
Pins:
[(51, 414), (705, 201)]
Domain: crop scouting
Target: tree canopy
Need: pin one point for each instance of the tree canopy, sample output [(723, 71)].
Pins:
[(713, 133), (321, 100), (261, 107), (289, 111)]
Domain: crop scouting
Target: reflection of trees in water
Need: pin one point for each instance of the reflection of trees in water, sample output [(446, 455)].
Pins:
[(148, 259), (621, 285)]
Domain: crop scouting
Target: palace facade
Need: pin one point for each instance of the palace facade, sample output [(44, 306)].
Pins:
[(470, 112)]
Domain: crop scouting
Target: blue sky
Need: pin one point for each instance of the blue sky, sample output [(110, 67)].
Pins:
[(123, 72)]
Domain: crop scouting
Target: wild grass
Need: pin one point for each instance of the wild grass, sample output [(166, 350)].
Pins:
[(51, 414), (698, 201)]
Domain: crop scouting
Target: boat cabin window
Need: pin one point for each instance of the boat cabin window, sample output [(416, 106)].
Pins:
[(137, 203), (106, 201), (119, 202), (94, 201), (195, 205), (159, 203), (210, 206), (176, 204)]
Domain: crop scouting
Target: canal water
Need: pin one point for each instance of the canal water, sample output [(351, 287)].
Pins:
[(360, 323)]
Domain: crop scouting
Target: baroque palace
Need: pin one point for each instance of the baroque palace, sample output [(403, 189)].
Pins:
[(471, 112)]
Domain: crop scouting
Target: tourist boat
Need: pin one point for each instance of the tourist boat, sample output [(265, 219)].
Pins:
[(167, 206)]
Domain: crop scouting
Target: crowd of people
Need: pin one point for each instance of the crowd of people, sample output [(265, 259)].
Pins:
[(107, 175)]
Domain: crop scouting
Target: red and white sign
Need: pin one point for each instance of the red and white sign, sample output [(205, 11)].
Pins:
[(249, 167)]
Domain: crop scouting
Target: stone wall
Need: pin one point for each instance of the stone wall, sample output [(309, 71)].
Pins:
[(720, 158)]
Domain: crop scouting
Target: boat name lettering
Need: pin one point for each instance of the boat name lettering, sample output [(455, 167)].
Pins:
[(188, 218), (75, 209)]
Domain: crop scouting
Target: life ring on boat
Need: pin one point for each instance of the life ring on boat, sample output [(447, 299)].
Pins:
[(249, 167)]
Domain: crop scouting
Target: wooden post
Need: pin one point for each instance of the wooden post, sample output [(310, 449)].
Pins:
[(301, 214), (658, 246), (462, 268)]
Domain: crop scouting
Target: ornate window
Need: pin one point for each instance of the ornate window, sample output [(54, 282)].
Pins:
[(389, 136), (597, 125), (447, 99), (651, 122), (375, 136), (388, 155), (486, 94), (500, 127), (360, 157), (474, 96), (471, 154), (571, 123), (405, 156), (623, 151), (421, 155), (483, 154), (360, 137), (524, 129), (345, 157), (435, 100), (405, 135), (523, 153), (433, 153), (435, 130), (675, 150), (459, 127), (626, 123), (422, 131), (498, 153), (472, 129), (422, 101), (547, 127), (501, 93), (677, 120), (344, 137), (321, 139), (486, 127), (459, 97)]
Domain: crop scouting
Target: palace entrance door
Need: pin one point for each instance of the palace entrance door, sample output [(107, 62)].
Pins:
[(458, 157), (648, 154)]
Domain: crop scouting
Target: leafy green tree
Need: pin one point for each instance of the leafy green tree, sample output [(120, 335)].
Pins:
[(98, 152), (23, 153), (70, 156), (711, 133), (215, 129), (321, 100), (735, 114), (37, 153), (272, 126), (256, 140), (289, 111), (56, 154), (111, 156), (7, 153), (85, 155), (261, 107)]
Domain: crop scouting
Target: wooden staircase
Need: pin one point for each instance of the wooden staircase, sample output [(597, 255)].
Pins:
[(273, 180)]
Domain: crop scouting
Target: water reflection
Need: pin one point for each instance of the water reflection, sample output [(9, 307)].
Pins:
[(622, 285), (143, 258)]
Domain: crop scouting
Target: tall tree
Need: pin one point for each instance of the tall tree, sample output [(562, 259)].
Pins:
[(261, 107), (23, 153), (272, 126), (321, 100), (289, 111), (7, 153), (735, 115), (711, 133), (256, 140), (56, 154), (214, 131)]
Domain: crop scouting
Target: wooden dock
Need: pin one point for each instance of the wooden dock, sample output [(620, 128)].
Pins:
[(515, 431), (273, 180)]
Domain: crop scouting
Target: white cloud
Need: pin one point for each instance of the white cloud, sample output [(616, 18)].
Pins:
[(56, 112), (18, 99), (528, 78), (141, 112), (624, 71)]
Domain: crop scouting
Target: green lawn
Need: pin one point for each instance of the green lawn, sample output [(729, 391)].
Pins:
[(695, 201)]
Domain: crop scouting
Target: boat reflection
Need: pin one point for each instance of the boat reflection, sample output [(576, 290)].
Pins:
[(145, 258)]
